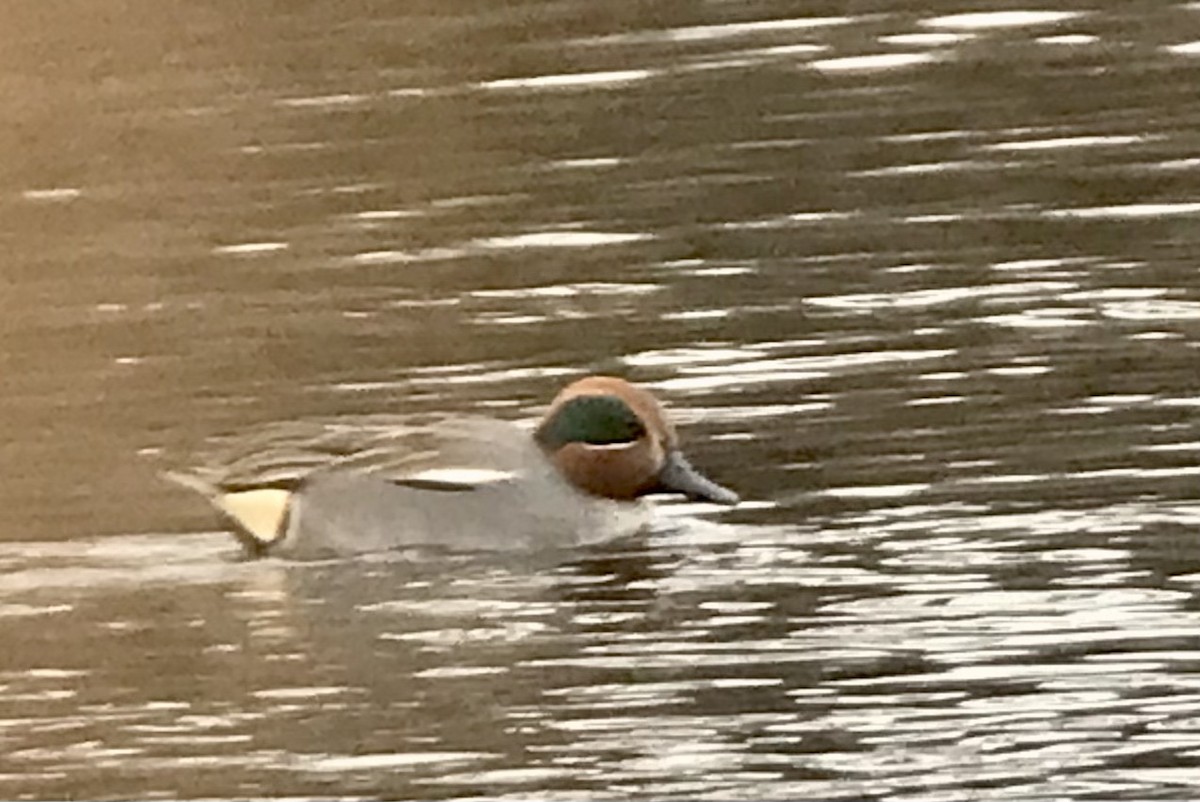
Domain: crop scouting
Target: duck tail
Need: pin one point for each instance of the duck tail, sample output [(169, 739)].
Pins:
[(259, 515)]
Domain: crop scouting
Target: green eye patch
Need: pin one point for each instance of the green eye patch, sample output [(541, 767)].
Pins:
[(598, 420)]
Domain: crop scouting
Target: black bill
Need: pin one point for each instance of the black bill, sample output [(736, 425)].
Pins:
[(678, 476)]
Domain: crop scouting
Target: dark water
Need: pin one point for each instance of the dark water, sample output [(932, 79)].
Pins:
[(921, 285)]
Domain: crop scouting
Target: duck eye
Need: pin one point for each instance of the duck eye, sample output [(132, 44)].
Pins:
[(598, 420)]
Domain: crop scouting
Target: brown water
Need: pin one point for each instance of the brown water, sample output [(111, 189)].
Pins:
[(922, 286)]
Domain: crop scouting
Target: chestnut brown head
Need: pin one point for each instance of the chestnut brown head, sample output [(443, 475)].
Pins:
[(612, 439)]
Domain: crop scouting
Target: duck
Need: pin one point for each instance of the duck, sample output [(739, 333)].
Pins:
[(353, 486)]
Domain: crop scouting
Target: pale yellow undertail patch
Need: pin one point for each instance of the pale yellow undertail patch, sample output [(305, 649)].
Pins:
[(260, 513)]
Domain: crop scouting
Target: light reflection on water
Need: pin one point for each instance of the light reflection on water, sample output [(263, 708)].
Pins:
[(919, 282), (871, 649)]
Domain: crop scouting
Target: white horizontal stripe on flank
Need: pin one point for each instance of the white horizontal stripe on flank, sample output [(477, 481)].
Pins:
[(463, 476)]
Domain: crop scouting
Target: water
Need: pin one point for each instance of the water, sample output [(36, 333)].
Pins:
[(919, 282)]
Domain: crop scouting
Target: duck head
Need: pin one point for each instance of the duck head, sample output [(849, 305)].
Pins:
[(612, 439)]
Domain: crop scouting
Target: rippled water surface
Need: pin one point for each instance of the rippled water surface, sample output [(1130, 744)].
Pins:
[(918, 279)]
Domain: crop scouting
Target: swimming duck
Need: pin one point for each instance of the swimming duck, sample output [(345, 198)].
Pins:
[(381, 483)]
